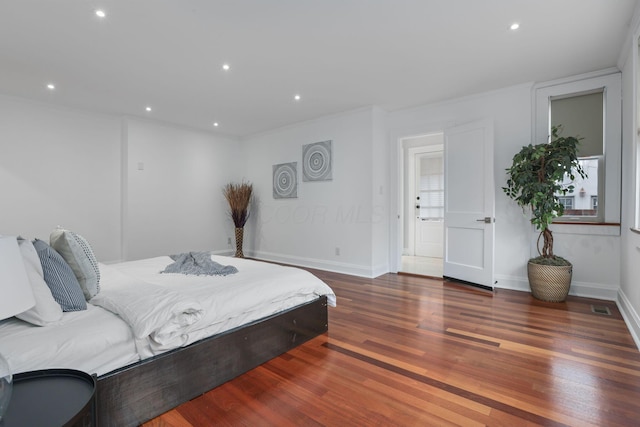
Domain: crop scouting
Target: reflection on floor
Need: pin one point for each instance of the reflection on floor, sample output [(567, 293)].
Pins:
[(424, 266)]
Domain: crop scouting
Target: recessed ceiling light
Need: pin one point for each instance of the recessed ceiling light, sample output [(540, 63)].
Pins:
[(226, 67), (51, 86), (100, 13), (297, 97), (215, 124), (148, 108), (514, 26)]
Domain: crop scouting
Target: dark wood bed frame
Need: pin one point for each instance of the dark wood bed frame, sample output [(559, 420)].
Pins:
[(134, 394)]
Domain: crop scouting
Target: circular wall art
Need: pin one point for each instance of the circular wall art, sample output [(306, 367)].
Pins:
[(316, 161), (285, 181)]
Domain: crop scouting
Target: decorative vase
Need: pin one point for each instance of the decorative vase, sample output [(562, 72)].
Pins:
[(6, 386), (549, 282), (239, 236)]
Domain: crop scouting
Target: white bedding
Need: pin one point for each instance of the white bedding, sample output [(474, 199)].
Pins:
[(94, 341), (154, 313), (258, 290), (97, 341)]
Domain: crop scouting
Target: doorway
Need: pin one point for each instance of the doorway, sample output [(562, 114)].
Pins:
[(469, 202), (423, 205)]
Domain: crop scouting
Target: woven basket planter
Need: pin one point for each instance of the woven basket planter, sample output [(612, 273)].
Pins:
[(549, 282)]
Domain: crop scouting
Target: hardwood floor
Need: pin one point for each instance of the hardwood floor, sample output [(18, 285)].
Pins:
[(409, 351)]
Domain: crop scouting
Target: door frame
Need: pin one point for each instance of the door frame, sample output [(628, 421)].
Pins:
[(396, 185)]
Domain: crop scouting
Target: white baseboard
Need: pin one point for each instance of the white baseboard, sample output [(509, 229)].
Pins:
[(630, 316), (116, 261), (337, 267), (379, 270), (594, 290), (224, 252), (580, 289), (514, 283)]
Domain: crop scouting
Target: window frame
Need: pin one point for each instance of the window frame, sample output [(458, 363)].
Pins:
[(609, 181), (636, 133)]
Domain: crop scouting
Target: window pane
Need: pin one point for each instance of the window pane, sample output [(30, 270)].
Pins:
[(583, 201), (567, 202), (431, 186)]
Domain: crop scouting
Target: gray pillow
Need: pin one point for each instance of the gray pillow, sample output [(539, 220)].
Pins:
[(60, 278), (77, 252)]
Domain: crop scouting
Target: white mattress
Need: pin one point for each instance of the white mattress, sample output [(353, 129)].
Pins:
[(93, 341)]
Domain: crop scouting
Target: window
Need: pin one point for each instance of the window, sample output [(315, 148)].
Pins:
[(567, 202), (432, 186), (582, 115), (587, 106), (586, 191)]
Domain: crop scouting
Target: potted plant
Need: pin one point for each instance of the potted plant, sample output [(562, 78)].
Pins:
[(238, 196), (535, 181)]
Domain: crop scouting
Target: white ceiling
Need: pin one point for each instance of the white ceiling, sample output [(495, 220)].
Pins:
[(337, 54)]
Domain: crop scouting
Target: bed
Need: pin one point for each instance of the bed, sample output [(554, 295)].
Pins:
[(220, 327)]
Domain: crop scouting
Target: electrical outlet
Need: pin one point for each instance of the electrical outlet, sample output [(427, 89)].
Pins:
[(337, 251), (228, 240)]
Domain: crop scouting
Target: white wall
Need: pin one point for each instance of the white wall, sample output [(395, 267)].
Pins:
[(174, 200), (629, 293), (65, 167), (595, 258), (60, 167), (328, 214), (596, 271)]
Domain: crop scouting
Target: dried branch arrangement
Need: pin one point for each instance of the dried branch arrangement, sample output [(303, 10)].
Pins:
[(239, 198)]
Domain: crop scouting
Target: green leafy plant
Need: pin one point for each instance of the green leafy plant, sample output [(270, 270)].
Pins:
[(535, 181)]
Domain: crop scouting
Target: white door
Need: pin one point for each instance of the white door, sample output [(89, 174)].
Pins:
[(469, 203), (429, 202)]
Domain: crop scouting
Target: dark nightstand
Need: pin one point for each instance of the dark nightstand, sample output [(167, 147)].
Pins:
[(52, 397)]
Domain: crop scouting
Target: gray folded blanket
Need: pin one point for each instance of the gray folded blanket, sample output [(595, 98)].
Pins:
[(198, 263)]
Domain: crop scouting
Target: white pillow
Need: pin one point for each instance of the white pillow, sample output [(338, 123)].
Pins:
[(46, 310), (78, 254)]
